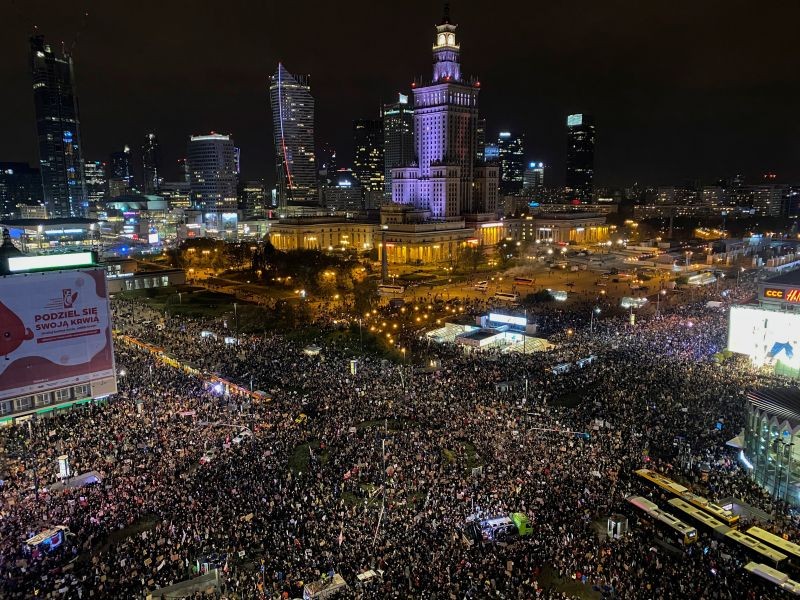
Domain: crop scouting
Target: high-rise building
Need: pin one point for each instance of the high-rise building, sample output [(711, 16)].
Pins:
[(212, 167), (445, 135), (151, 164), (183, 169), (533, 179), (326, 161), (253, 200), (293, 131), (96, 184), (398, 139), (343, 192), (511, 151), (368, 154), (580, 157), (120, 173), (20, 185), (768, 200), (480, 134), (491, 153), (178, 194), (58, 130)]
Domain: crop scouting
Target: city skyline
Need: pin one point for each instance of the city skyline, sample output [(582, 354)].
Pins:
[(699, 107)]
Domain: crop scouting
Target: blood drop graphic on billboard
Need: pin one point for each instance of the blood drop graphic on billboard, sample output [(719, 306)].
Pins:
[(55, 331)]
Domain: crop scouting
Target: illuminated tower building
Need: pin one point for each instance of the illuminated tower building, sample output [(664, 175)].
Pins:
[(445, 134), (580, 157), (58, 130), (293, 131)]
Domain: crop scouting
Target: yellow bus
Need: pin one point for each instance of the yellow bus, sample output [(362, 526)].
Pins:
[(677, 529), (776, 541), (762, 550), (779, 578), (697, 514), (665, 483)]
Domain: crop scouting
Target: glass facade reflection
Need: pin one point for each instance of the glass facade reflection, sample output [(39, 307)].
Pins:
[(772, 442)]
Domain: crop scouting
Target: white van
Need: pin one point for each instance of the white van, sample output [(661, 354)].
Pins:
[(481, 286)]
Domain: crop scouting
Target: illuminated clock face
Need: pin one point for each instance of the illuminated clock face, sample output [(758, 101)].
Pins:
[(441, 40), (450, 39)]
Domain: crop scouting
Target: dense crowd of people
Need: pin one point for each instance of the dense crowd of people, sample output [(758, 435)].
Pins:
[(378, 467)]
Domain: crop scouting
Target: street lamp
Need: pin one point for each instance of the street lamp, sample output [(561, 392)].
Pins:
[(595, 311), (658, 300)]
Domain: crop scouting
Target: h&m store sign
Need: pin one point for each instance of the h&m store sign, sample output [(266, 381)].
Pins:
[(786, 295)]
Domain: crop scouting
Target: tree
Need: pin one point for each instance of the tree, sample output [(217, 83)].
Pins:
[(364, 295)]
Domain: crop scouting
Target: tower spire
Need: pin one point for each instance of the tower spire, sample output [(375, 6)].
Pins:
[(446, 17)]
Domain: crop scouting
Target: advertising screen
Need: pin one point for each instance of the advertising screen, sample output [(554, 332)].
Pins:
[(55, 332), (507, 319), (767, 337)]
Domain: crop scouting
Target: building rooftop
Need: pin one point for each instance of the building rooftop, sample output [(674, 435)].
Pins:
[(47, 222), (790, 278), (783, 403)]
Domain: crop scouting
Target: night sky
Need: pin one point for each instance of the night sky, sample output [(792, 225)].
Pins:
[(679, 90)]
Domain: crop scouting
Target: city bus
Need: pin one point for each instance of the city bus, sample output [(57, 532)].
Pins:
[(715, 510), (779, 578), (756, 548), (507, 296), (789, 548), (706, 519), (390, 290), (523, 281), (677, 530)]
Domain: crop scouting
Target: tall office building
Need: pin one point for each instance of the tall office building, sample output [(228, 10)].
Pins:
[(480, 134), (120, 173), (398, 139), (253, 200), (183, 169), (151, 164), (343, 192), (368, 154), (445, 133), (533, 179), (178, 194), (96, 184), (58, 130), (212, 168), (511, 150), (293, 131), (580, 157), (20, 185)]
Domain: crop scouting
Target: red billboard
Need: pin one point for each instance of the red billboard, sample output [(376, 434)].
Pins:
[(55, 332)]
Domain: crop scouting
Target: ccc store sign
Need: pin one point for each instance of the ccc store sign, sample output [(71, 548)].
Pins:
[(773, 293)]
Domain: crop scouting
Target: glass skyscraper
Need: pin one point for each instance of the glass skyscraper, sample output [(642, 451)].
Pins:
[(368, 154), (151, 164), (510, 150), (96, 184), (293, 131), (580, 158), (59, 132), (398, 139)]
